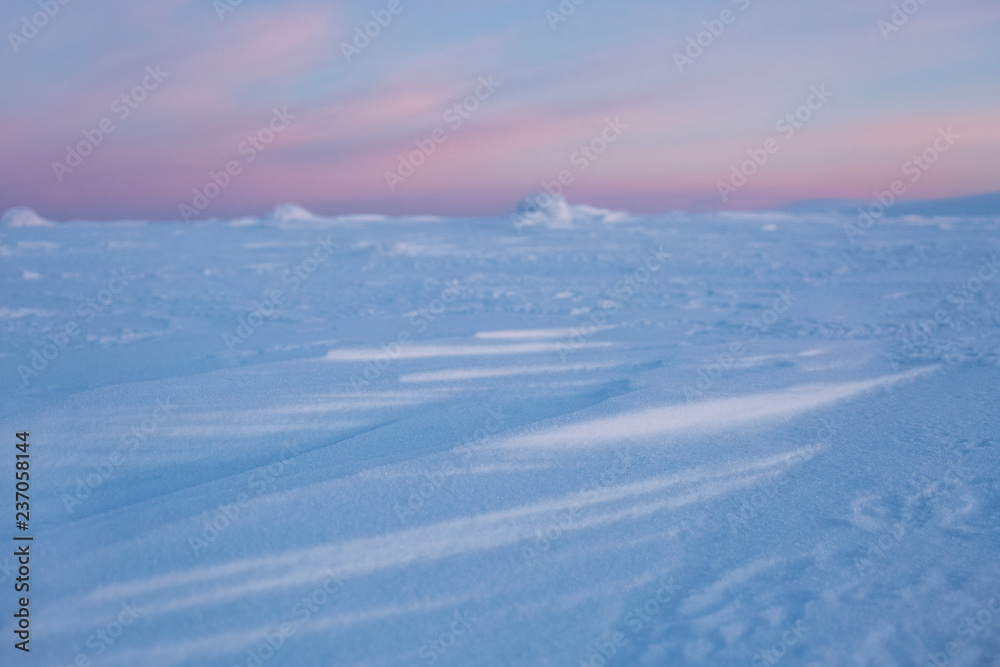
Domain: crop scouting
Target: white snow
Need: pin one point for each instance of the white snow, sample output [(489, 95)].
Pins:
[(529, 334), (708, 415), (436, 351), (518, 431), (555, 212), (23, 217), (458, 374), (289, 213)]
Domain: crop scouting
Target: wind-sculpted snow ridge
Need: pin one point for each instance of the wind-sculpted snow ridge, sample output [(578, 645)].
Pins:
[(685, 440), (293, 214), (285, 213), (23, 217), (709, 415)]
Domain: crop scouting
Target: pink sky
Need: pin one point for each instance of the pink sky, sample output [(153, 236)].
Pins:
[(354, 117)]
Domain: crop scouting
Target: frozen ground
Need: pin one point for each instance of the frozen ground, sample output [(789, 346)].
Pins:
[(723, 440)]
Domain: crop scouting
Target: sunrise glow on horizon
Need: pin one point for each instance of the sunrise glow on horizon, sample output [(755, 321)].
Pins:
[(124, 110)]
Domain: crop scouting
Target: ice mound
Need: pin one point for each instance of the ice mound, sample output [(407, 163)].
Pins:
[(543, 209), (23, 217), (285, 213)]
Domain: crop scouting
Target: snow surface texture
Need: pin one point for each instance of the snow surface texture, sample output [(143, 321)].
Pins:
[(681, 440)]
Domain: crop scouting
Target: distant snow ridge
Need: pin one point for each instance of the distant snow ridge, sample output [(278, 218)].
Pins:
[(545, 210), (23, 217), (285, 213)]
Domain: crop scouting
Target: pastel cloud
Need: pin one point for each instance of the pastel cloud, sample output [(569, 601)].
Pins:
[(353, 120)]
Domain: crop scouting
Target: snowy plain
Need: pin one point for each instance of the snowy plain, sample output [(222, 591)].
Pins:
[(720, 439)]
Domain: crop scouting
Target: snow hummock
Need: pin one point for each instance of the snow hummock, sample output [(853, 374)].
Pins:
[(23, 217), (285, 213), (543, 209)]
